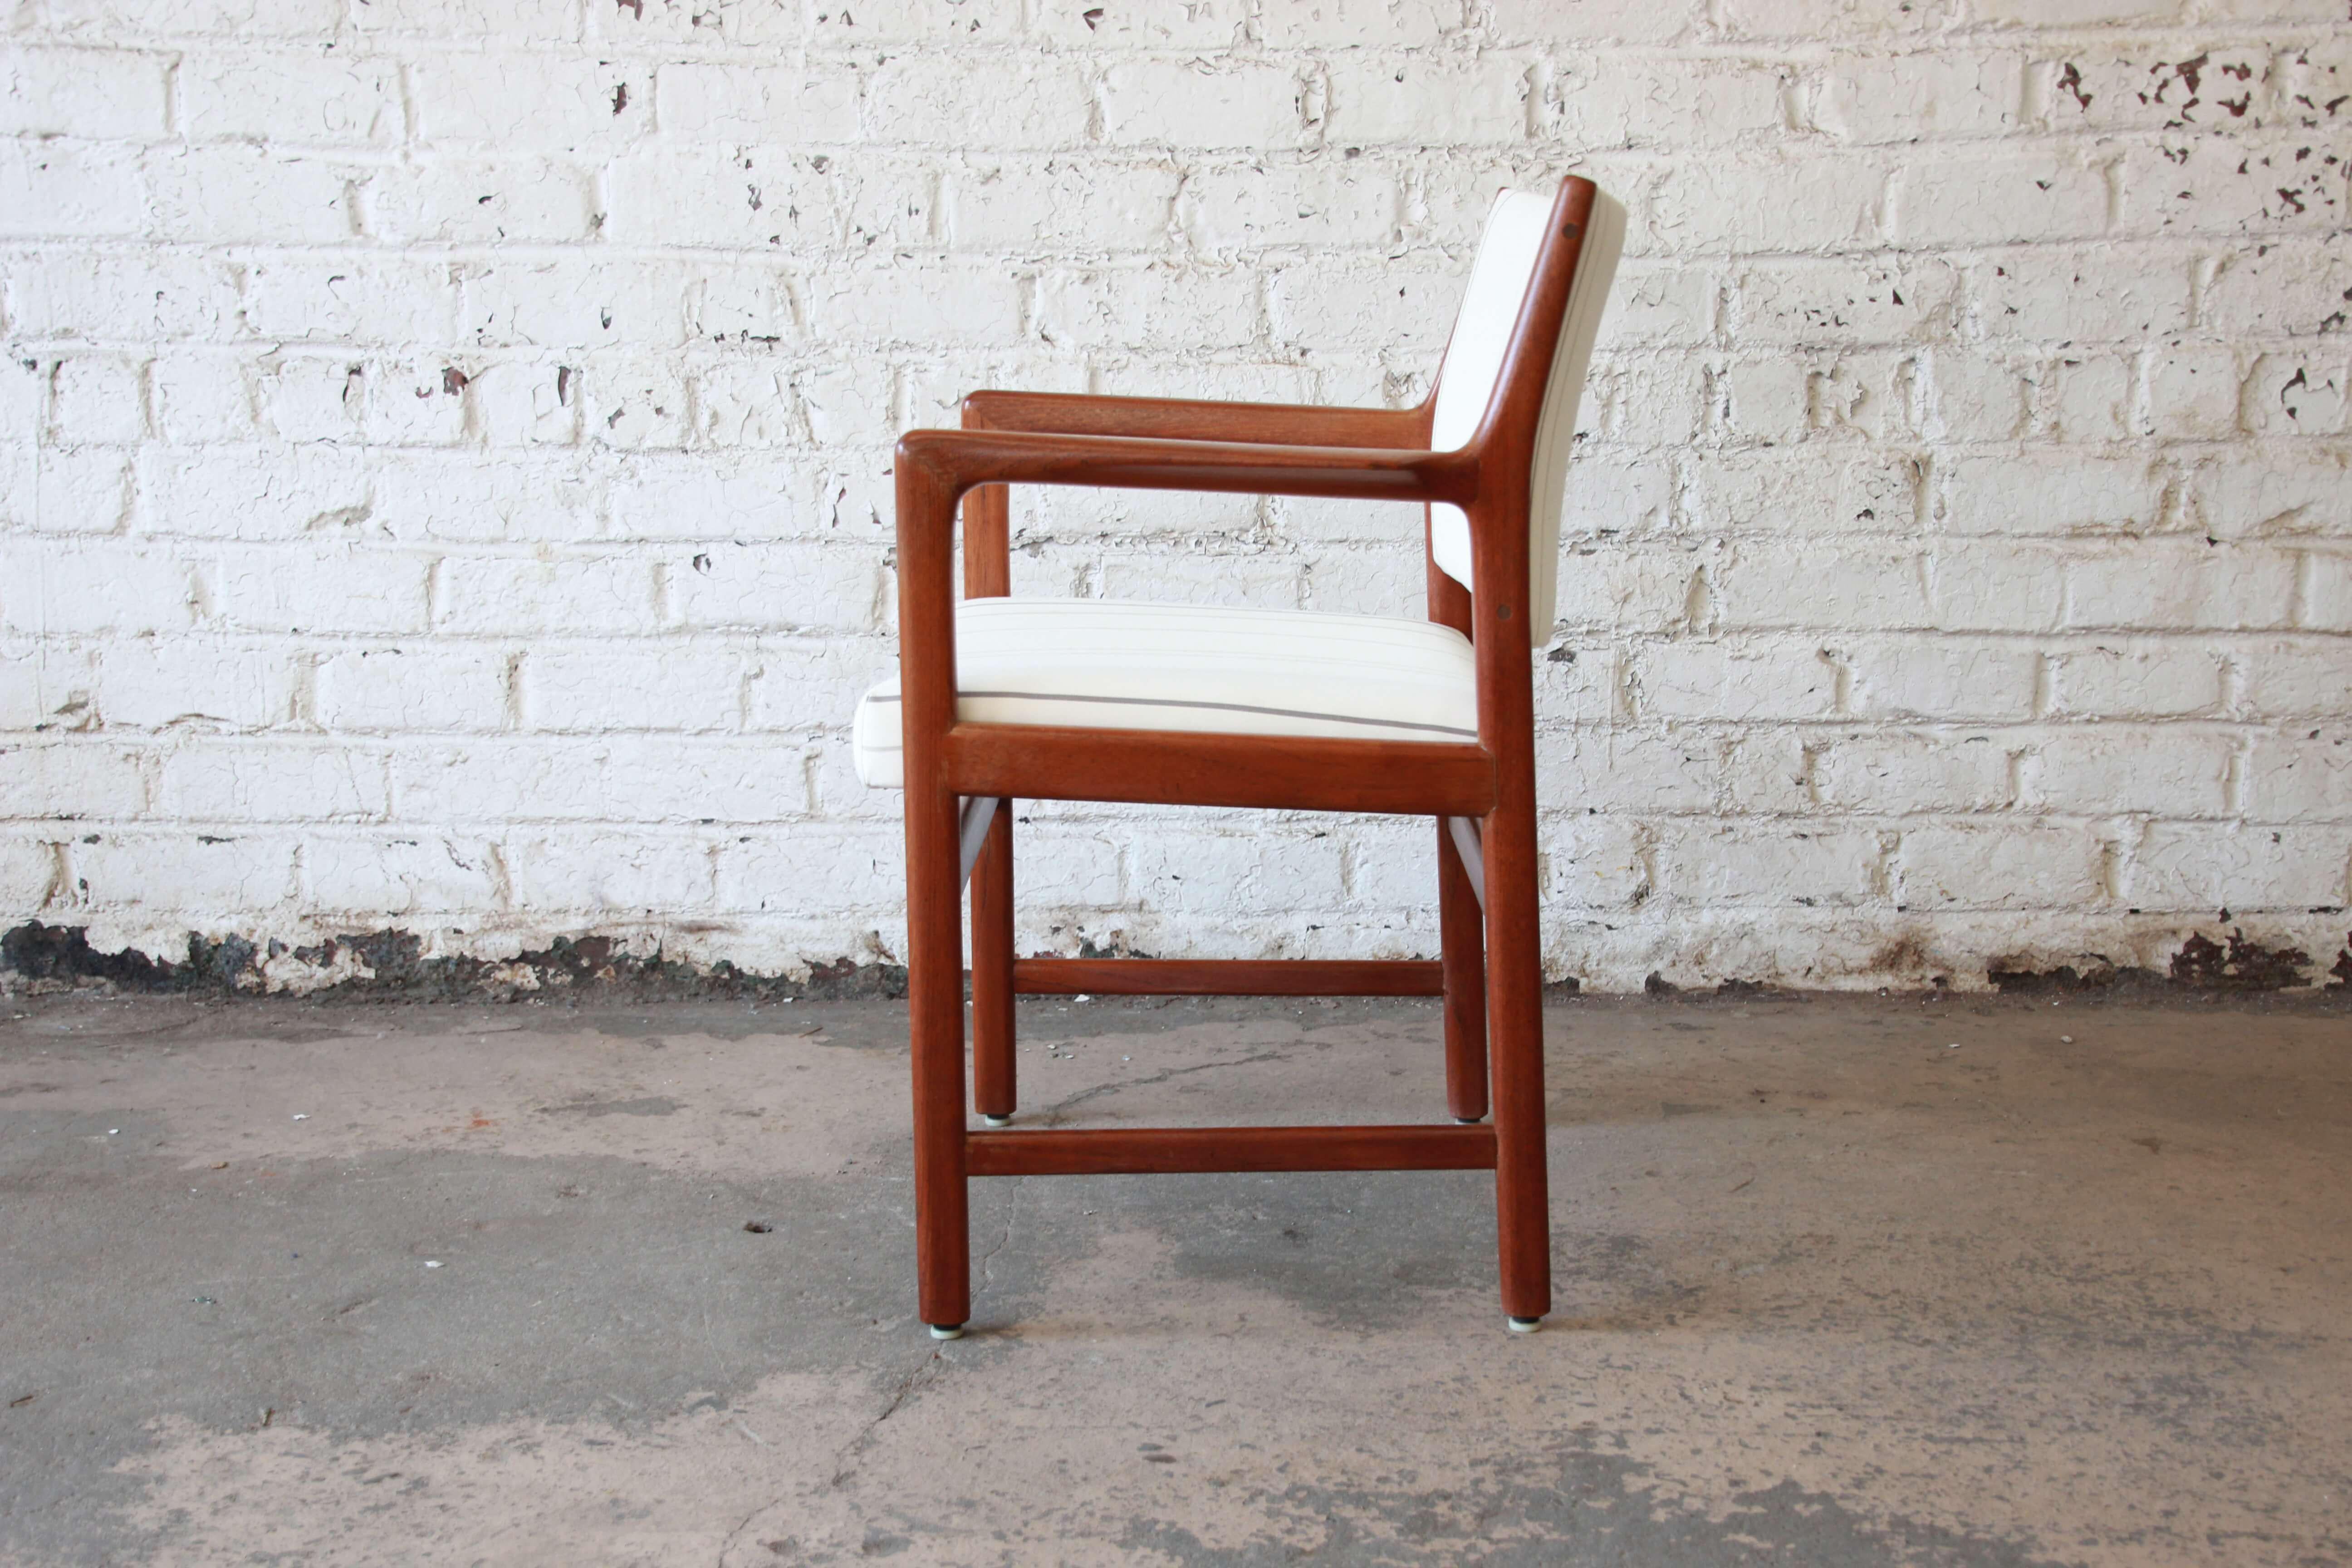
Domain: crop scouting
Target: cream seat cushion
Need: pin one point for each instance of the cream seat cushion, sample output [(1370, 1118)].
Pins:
[(1111, 665)]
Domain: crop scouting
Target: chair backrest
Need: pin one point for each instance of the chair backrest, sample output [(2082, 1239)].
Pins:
[(1470, 382)]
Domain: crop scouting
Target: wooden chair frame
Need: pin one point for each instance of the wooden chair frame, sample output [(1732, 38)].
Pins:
[(1490, 974)]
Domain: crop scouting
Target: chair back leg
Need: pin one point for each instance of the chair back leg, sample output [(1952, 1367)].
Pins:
[(992, 1086), (1463, 950), (1514, 1014)]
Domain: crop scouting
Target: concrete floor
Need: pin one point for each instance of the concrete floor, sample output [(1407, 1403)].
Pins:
[(295, 1283)]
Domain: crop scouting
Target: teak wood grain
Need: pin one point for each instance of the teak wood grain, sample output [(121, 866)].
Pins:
[(1490, 971), (1158, 1151), (1174, 767), (1178, 419), (1223, 978)]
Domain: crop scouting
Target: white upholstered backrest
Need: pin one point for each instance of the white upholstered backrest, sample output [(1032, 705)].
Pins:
[(1468, 382)]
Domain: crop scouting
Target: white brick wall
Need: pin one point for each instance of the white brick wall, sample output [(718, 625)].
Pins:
[(443, 448)]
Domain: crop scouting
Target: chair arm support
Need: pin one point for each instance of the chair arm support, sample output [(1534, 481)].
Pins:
[(935, 468), (1187, 420), (956, 460)]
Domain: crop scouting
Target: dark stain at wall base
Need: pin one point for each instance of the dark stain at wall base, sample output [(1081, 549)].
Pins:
[(2233, 966), (600, 968), (398, 970), (2013, 975)]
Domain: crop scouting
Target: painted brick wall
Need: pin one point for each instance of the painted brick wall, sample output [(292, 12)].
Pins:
[(445, 456)]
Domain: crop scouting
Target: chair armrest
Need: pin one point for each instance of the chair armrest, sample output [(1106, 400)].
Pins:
[(1182, 419), (956, 460)]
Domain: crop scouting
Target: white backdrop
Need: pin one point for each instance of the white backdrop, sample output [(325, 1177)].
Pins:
[(447, 443)]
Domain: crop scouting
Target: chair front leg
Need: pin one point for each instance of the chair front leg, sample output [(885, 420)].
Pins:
[(1462, 946), (992, 1086), (927, 679), (935, 1018)]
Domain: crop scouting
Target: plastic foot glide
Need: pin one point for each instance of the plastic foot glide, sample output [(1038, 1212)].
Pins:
[(1518, 1325), (1468, 1120), (946, 1331), (988, 1121)]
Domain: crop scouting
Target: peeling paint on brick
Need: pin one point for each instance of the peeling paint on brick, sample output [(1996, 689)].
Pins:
[(2233, 965), (2207, 965)]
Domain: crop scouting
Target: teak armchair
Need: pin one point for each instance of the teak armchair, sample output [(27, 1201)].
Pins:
[(1000, 699)]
